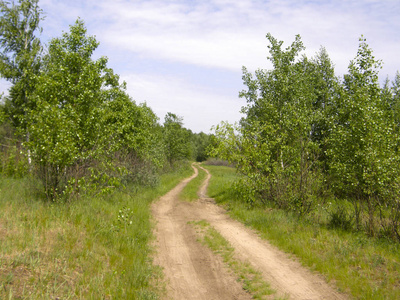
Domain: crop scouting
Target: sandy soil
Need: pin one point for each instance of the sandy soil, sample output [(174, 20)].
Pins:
[(194, 272)]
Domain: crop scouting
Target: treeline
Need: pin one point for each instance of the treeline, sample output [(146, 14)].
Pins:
[(68, 120), (309, 136)]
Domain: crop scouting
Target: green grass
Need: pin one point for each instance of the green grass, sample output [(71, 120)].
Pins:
[(363, 267), (250, 278), (91, 248), (190, 191), (221, 182)]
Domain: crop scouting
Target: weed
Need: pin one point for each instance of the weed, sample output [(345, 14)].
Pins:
[(124, 219)]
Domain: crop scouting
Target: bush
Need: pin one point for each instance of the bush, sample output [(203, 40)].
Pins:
[(339, 218)]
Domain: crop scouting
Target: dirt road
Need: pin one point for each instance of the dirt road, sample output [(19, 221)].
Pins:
[(194, 272)]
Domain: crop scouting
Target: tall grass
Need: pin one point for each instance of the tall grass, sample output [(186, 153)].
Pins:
[(366, 268), (92, 248)]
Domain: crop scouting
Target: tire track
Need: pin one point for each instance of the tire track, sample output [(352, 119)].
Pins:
[(191, 269), (194, 272)]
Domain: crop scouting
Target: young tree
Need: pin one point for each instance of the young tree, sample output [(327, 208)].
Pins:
[(20, 55), (283, 124), (69, 141), (362, 146)]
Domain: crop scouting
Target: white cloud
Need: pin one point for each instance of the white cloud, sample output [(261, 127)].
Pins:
[(200, 107), (228, 34), (215, 35)]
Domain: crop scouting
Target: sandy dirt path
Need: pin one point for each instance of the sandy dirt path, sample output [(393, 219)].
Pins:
[(194, 272)]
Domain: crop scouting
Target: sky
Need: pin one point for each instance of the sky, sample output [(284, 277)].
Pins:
[(186, 56)]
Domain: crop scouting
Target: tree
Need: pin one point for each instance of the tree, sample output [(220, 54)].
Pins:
[(20, 57), (362, 146), (394, 96), (69, 141), (200, 142), (137, 140), (176, 138), (281, 130), (305, 131)]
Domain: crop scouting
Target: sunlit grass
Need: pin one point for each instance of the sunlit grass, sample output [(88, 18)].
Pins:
[(91, 248), (364, 267)]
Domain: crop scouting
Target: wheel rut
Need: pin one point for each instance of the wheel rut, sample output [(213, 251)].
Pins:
[(192, 271)]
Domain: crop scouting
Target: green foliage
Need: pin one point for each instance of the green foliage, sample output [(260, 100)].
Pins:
[(66, 130), (276, 145), (394, 99), (363, 144), (13, 163), (176, 139), (20, 58), (341, 219), (86, 134), (307, 134), (73, 125), (124, 219), (200, 143), (137, 140)]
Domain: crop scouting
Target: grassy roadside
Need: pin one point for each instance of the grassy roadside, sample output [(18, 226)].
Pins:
[(251, 279), (94, 248), (363, 267), (190, 191)]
